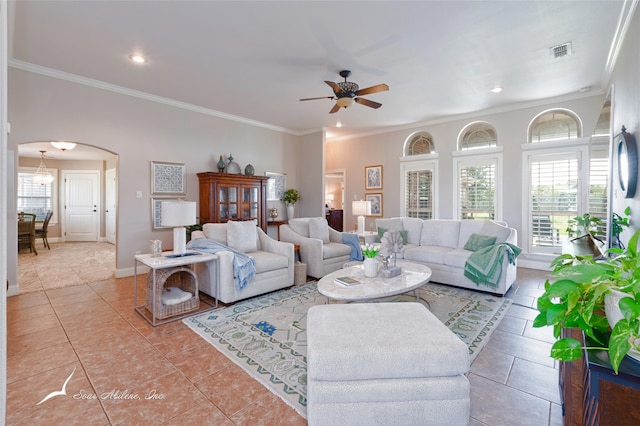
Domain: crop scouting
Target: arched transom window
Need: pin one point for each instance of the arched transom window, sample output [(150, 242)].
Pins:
[(478, 135), (558, 124), (420, 143)]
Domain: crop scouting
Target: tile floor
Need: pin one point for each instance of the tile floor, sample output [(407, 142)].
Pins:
[(126, 372)]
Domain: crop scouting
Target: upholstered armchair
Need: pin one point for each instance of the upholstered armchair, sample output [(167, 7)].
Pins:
[(274, 261), (321, 246)]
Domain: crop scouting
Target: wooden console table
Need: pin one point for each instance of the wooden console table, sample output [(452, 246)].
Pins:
[(593, 395)]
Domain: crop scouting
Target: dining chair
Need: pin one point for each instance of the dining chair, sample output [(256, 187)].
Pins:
[(26, 232), (42, 232)]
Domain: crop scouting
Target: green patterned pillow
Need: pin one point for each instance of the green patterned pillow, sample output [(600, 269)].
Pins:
[(477, 241), (403, 234)]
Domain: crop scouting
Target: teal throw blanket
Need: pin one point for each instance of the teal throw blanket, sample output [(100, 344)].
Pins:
[(485, 265), (244, 266)]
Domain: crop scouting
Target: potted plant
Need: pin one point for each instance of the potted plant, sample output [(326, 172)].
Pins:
[(575, 298), (618, 224), (370, 263), (291, 197), (583, 225)]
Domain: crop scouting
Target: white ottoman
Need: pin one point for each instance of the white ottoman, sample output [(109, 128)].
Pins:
[(384, 364)]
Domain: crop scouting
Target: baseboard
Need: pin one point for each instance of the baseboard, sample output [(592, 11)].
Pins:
[(534, 264)]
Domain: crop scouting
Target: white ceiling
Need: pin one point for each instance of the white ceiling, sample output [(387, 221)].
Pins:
[(253, 61)]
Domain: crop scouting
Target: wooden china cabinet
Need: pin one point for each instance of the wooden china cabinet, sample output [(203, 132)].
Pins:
[(225, 197)]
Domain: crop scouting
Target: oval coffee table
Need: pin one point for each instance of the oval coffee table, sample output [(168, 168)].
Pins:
[(413, 276)]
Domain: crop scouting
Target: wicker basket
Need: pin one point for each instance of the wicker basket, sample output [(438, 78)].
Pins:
[(299, 273), (180, 277)]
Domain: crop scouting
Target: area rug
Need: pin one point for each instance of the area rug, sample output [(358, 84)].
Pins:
[(266, 335)]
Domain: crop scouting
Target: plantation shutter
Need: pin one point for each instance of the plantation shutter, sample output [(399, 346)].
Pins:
[(553, 197), (598, 186), (419, 194), (33, 197), (476, 192)]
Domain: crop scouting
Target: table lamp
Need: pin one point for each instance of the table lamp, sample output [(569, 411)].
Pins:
[(361, 209), (178, 214)]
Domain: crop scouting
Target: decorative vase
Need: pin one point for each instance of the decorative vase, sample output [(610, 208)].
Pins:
[(273, 213), (614, 314), (370, 267), (290, 211), (220, 165), (249, 170), (232, 167)]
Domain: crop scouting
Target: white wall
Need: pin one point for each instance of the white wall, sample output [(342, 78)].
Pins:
[(139, 131), (626, 110), (386, 149)]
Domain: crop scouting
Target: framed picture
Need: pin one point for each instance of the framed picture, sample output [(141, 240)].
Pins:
[(376, 203), (168, 178), (156, 212), (275, 185), (373, 177)]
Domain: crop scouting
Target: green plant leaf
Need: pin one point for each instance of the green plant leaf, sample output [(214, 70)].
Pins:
[(630, 308), (561, 288), (619, 344), (566, 349), (541, 320), (556, 314)]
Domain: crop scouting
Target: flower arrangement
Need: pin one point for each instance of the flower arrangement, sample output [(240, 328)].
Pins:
[(291, 196), (370, 251)]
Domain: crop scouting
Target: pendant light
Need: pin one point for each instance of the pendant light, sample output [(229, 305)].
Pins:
[(42, 175)]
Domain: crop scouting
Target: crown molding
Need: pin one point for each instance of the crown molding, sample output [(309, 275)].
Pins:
[(50, 72)]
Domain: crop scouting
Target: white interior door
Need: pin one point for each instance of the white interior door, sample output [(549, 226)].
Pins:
[(111, 202), (81, 205)]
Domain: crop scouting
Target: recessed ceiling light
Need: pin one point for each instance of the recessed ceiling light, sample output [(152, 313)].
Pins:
[(138, 59), (338, 124), (497, 89)]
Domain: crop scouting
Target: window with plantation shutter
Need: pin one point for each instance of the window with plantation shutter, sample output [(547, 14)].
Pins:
[(419, 189), (599, 186), (476, 191), (555, 125), (555, 196), (33, 197)]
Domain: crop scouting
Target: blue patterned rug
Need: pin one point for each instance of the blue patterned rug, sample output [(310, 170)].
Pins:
[(266, 335)]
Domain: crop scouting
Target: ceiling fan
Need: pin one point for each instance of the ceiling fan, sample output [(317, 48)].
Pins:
[(346, 92)]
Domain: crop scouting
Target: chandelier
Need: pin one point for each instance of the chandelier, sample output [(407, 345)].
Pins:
[(42, 175)]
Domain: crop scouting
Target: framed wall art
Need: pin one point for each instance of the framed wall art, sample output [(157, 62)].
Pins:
[(275, 185), (376, 203), (168, 178), (156, 212), (373, 177)]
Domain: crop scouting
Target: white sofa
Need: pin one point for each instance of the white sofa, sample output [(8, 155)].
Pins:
[(439, 244), (321, 246), (274, 263)]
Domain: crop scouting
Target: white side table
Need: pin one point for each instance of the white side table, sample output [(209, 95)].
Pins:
[(162, 262), (366, 237)]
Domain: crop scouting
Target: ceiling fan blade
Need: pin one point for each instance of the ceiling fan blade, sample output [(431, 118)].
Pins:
[(373, 89), (367, 102), (321, 97), (334, 86), (335, 108)]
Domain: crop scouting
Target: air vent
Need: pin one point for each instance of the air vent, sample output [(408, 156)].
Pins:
[(561, 50)]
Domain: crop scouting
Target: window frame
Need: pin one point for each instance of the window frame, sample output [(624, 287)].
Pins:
[(579, 147), (479, 157), (415, 163), (54, 190)]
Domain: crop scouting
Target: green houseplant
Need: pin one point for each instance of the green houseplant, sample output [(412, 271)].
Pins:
[(575, 298), (585, 224), (618, 224), (291, 196)]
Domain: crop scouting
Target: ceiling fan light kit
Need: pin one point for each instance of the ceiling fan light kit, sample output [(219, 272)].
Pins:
[(346, 93)]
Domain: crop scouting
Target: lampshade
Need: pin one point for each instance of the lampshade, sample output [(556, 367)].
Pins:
[(178, 214), (361, 208), (63, 146), (42, 176)]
